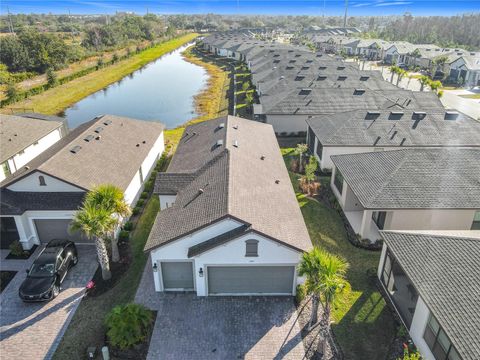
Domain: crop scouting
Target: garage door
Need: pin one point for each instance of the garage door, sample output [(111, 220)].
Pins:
[(250, 280), (48, 229), (177, 275)]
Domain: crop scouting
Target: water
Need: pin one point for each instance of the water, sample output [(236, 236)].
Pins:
[(161, 91)]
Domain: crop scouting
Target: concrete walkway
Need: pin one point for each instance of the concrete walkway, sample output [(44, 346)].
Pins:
[(191, 327), (34, 330)]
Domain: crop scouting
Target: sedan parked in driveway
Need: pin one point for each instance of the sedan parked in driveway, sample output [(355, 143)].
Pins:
[(48, 271)]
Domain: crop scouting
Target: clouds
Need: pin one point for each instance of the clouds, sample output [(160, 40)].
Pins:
[(381, 3)]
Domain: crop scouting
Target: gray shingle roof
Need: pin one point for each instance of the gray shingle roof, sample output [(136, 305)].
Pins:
[(400, 128), (235, 181), (414, 178), (114, 158), (445, 272), (18, 132)]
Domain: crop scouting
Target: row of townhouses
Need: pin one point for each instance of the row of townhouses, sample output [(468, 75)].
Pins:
[(404, 169)]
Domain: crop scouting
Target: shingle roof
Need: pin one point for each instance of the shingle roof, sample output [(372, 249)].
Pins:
[(237, 179), (414, 178), (445, 272), (114, 158), (18, 132), (398, 128)]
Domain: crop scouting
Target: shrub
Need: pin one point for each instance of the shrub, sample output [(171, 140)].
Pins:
[(51, 78), (128, 226), (16, 248), (136, 210), (100, 62), (148, 186), (140, 202), (128, 325), (144, 195), (124, 235), (301, 293), (12, 91), (115, 58)]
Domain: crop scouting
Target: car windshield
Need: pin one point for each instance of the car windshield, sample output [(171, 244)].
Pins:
[(42, 270)]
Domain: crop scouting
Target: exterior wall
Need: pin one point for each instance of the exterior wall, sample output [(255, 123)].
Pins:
[(31, 183), (350, 200), (166, 201), (430, 219), (136, 185), (419, 322), (231, 253), (287, 123)]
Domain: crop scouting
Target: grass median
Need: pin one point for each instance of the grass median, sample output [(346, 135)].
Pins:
[(57, 99)]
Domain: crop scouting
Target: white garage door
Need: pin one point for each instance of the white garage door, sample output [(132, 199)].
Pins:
[(261, 280), (48, 229)]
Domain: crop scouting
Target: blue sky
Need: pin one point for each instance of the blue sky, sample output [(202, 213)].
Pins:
[(274, 7)]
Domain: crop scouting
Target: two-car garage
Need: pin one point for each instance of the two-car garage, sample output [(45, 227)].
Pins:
[(48, 229), (230, 280)]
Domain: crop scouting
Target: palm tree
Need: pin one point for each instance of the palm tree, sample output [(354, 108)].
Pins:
[(95, 222), (300, 150), (325, 278), (112, 199), (401, 73), (424, 80), (394, 70)]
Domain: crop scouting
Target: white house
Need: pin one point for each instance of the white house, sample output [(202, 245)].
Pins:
[(432, 283), (39, 200), (410, 189), (22, 138), (378, 130), (466, 69), (229, 222)]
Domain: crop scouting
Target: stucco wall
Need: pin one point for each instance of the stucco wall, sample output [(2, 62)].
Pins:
[(417, 328), (287, 123), (32, 183), (430, 219)]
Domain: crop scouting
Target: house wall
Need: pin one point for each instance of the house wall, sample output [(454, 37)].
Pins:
[(231, 253), (417, 328), (287, 123), (32, 183), (430, 219)]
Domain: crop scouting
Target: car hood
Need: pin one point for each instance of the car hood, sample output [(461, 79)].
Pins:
[(36, 286)]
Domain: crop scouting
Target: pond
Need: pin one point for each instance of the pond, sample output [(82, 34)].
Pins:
[(161, 91)]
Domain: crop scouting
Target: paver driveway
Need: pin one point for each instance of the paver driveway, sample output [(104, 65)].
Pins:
[(33, 331), (191, 327)]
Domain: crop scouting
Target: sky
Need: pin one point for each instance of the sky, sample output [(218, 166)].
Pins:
[(268, 7)]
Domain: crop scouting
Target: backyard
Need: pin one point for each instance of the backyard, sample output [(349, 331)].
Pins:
[(363, 324)]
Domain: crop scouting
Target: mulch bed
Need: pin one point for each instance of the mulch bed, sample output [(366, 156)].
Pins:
[(25, 255), (5, 278), (138, 352)]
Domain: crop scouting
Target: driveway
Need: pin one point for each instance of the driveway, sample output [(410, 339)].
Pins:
[(191, 327), (33, 331)]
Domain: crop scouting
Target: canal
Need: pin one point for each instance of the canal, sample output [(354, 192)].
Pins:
[(161, 91)]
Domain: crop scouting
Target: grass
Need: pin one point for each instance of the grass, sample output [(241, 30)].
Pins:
[(363, 324), (87, 326), (471, 96), (59, 98)]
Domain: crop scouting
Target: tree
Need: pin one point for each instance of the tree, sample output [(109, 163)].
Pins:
[(325, 279), (249, 99), (110, 198), (51, 77), (394, 70), (300, 150), (400, 73), (95, 222), (424, 80), (435, 85), (311, 168), (12, 91), (245, 86)]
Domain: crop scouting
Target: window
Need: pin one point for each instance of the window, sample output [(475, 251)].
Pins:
[(6, 168), (476, 221), (41, 181), (379, 218), (319, 149), (251, 248), (338, 180), (438, 341)]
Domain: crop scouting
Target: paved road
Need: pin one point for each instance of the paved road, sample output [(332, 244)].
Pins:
[(33, 331), (470, 107)]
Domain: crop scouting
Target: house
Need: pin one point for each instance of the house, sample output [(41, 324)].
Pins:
[(410, 189), (22, 138), (377, 130), (432, 282), (229, 222), (288, 111), (40, 199), (466, 70)]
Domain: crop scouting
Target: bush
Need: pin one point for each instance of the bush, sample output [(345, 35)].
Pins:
[(136, 210), (128, 325), (115, 58), (140, 202), (51, 78), (148, 186), (124, 235), (144, 195), (301, 294), (16, 248), (128, 226)]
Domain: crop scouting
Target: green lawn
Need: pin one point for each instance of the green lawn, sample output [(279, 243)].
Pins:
[(86, 328), (471, 96), (364, 326)]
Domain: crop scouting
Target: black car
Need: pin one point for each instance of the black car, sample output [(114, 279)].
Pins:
[(48, 271)]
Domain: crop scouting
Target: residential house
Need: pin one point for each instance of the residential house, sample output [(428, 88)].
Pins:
[(40, 199), (388, 129), (229, 222), (466, 70), (410, 189), (432, 282), (22, 138)]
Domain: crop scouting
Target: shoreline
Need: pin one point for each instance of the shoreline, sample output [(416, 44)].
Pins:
[(59, 98)]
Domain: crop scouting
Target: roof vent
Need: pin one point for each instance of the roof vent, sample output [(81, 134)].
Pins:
[(371, 115), (107, 122), (340, 67), (235, 143), (451, 115), (299, 78), (262, 157), (322, 68), (75, 149), (98, 130), (138, 145), (219, 143), (235, 127), (321, 78), (418, 115), (221, 126), (395, 115), (277, 181), (27, 167), (364, 78), (342, 78), (305, 92), (359, 92), (89, 138)]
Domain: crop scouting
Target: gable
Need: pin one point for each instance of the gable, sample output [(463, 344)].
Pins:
[(31, 183)]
